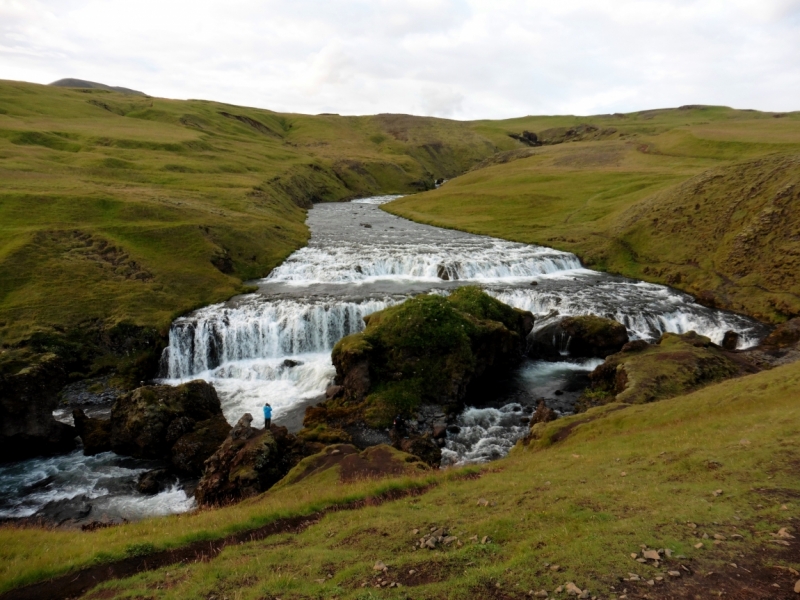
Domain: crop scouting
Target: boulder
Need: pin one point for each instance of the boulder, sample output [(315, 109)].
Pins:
[(28, 396), (430, 349), (249, 462), (94, 433), (784, 335), (147, 422), (543, 414), (585, 336), (155, 481), (643, 372), (190, 452), (730, 340), (423, 447)]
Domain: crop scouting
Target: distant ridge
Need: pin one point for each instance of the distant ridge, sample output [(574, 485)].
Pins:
[(82, 83)]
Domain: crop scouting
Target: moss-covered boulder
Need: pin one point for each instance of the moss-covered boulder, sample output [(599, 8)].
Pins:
[(147, 422), (586, 336), (249, 461), (675, 365), (94, 433), (430, 349)]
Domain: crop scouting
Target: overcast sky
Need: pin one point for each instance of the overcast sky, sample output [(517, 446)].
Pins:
[(464, 59)]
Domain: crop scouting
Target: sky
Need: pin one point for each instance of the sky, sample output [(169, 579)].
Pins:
[(460, 59)]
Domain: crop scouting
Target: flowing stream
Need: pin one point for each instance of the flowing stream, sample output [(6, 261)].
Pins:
[(274, 345)]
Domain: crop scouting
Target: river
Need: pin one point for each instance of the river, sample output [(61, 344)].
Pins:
[(275, 344)]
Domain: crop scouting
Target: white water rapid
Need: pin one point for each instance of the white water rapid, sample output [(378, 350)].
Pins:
[(274, 345)]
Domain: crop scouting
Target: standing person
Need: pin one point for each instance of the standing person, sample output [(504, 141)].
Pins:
[(267, 415)]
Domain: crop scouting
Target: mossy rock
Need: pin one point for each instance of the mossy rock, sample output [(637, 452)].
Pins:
[(643, 372), (429, 349), (146, 423)]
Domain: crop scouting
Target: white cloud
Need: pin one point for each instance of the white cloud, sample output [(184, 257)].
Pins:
[(453, 58)]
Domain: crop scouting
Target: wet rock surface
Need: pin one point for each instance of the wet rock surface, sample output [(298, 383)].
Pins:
[(583, 337), (94, 433), (28, 397)]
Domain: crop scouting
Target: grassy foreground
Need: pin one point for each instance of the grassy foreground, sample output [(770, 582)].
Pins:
[(706, 199), (584, 495)]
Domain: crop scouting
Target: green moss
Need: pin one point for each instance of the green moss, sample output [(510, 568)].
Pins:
[(423, 350)]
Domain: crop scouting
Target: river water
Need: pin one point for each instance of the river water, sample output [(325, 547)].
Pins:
[(274, 345)]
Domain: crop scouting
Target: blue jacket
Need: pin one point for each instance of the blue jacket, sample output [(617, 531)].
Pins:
[(267, 412)]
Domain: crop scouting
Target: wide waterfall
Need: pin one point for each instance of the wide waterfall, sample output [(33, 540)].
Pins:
[(275, 345)]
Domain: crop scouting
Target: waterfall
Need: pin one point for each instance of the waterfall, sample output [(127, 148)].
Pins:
[(258, 329)]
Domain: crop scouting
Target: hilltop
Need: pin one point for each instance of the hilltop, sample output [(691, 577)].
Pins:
[(702, 198)]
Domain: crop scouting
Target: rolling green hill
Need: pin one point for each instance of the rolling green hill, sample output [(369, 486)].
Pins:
[(120, 210), (706, 199)]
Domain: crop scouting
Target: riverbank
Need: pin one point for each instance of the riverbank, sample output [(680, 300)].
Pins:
[(709, 207)]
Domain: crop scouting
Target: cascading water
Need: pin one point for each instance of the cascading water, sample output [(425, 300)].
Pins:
[(274, 345)]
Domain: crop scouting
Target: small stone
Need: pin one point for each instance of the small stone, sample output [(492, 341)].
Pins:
[(674, 573), (698, 545), (651, 555), (483, 502), (716, 493), (797, 587), (415, 532), (633, 555), (784, 507), (474, 538), (692, 525), (737, 536), (559, 589), (720, 537), (668, 552), (485, 539), (641, 560), (705, 536), (539, 594), (623, 474), (555, 568), (379, 566), (784, 534), (651, 582), (573, 590), (412, 571)]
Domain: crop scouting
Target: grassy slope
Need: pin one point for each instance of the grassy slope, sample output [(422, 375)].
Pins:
[(116, 208), (564, 502), (705, 199)]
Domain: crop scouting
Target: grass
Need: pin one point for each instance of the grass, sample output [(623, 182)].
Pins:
[(705, 199), (584, 501), (121, 209)]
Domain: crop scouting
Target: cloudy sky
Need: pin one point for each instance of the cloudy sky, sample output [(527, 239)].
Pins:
[(463, 59)]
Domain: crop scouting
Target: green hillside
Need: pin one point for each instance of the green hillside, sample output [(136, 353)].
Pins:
[(119, 209), (706, 199), (711, 476)]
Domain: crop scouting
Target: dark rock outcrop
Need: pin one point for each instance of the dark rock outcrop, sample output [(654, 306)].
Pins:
[(28, 397), (586, 336), (676, 365), (147, 422), (730, 340), (183, 425), (155, 481), (94, 433), (192, 449), (249, 462), (784, 335)]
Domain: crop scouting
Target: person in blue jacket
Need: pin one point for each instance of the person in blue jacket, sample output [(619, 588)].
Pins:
[(267, 415)]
